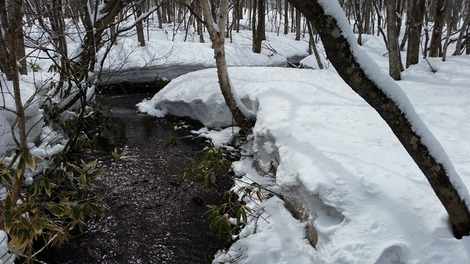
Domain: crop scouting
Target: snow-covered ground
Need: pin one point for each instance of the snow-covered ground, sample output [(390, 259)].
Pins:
[(367, 200), (167, 55), (164, 55), (337, 159)]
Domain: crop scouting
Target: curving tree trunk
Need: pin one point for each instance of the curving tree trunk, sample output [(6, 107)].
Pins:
[(339, 51), (217, 36)]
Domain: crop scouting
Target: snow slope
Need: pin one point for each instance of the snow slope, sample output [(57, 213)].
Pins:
[(364, 195)]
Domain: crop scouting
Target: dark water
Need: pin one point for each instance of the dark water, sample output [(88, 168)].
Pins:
[(148, 219)]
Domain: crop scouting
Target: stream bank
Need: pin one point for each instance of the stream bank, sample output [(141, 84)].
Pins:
[(147, 218)]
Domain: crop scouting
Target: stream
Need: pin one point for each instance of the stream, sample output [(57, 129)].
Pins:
[(147, 218)]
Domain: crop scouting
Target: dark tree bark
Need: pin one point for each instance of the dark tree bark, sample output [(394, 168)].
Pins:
[(439, 16), (159, 14), (286, 17), (367, 14), (339, 52), (358, 21), (139, 25), (297, 25), (394, 60), (3, 44), (258, 21), (414, 31), (261, 27), (56, 19), (465, 25)]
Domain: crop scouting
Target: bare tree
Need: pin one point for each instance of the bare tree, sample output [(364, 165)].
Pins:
[(14, 30), (286, 17), (339, 51), (217, 35), (258, 22), (463, 30), (139, 25), (394, 60), (415, 26), (435, 47)]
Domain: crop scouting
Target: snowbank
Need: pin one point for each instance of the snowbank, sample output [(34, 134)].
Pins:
[(364, 195), (163, 57), (34, 121)]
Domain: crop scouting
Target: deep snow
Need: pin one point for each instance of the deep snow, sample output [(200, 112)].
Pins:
[(365, 196), (166, 55), (334, 155)]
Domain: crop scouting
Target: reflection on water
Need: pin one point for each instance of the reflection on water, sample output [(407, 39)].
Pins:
[(148, 220)]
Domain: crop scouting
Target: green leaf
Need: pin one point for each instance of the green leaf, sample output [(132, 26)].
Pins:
[(7, 219), (77, 211), (55, 208), (29, 159), (47, 186), (8, 203), (239, 216)]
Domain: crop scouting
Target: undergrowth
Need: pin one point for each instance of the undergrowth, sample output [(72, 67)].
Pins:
[(229, 217)]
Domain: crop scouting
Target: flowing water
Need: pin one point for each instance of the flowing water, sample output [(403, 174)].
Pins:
[(148, 218)]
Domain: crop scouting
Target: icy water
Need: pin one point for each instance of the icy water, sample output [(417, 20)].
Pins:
[(148, 219)]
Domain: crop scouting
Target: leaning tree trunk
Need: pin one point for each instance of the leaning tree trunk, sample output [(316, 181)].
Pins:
[(217, 36), (463, 30), (339, 51)]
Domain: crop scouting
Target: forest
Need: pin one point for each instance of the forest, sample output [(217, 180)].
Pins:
[(55, 56)]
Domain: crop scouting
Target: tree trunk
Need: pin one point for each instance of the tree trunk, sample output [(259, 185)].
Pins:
[(339, 51), (218, 42), (3, 42), (439, 15), (357, 11), (159, 14), (14, 30), (256, 40), (414, 31), (465, 25), (286, 17), (313, 46), (199, 25), (392, 37), (367, 17), (261, 27), (56, 18), (450, 26), (139, 26), (297, 25), (379, 22)]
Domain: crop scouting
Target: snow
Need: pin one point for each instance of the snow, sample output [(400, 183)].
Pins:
[(393, 91), (338, 160), (169, 56), (334, 156)]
